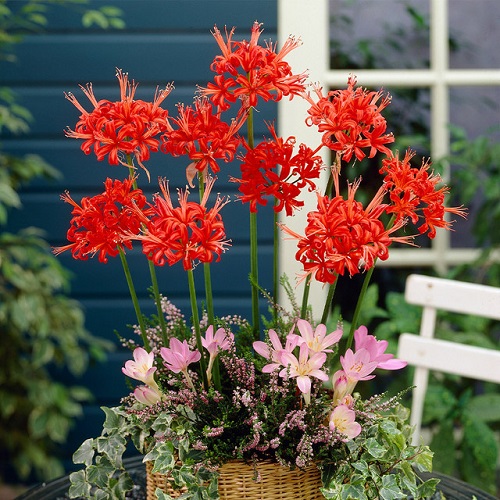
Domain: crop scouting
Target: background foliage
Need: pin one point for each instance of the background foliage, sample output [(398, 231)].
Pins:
[(42, 331)]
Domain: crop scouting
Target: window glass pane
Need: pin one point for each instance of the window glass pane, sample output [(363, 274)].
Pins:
[(363, 35), (474, 35), (474, 111)]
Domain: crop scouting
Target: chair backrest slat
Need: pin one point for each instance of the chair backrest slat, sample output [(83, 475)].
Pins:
[(427, 353)]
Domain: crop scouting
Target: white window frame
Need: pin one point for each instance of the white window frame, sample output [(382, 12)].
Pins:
[(309, 19)]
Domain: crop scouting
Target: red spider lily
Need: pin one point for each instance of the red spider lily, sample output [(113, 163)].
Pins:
[(102, 224), (271, 169), (350, 120), (414, 193), (187, 233), (125, 127), (200, 134), (343, 235), (249, 71)]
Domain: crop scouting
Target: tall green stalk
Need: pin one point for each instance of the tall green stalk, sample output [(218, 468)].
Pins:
[(328, 302), (152, 269), (275, 266), (254, 266), (157, 298), (135, 300), (359, 304), (196, 325), (305, 297), (206, 268)]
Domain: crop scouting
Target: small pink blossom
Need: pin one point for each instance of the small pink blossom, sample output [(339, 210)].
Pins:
[(221, 341), (308, 365), (376, 348), (357, 366), (317, 340), (274, 353), (178, 357), (342, 420), (147, 395), (141, 368)]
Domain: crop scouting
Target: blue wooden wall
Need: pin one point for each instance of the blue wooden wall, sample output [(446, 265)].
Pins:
[(164, 41)]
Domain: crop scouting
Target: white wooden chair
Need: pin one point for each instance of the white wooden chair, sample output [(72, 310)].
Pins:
[(427, 353)]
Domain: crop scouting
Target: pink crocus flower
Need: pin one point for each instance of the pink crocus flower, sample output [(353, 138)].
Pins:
[(317, 340), (141, 368), (179, 356), (357, 366), (342, 419), (274, 353), (147, 395), (308, 365), (377, 348), (339, 384), (221, 341)]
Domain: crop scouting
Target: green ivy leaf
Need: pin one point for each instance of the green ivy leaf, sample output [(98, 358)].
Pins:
[(79, 488), (85, 453), (390, 489)]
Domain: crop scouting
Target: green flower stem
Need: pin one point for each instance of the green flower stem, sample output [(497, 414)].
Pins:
[(254, 268), (254, 273), (157, 298), (209, 294), (134, 298), (206, 269), (196, 324), (359, 304), (275, 267), (362, 293), (305, 297), (328, 302)]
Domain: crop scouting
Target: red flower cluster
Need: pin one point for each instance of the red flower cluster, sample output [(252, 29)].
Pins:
[(102, 224), (414, 193), (247, 71), (272, 170), (125, 127), (187, 233), (351, 120), (342, 235), (203, 136)]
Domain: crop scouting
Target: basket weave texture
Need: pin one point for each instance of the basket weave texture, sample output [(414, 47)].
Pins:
[(237, 482), (157, 480)]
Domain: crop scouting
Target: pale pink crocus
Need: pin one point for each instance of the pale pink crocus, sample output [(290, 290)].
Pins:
[(339, 384), (221, 341), (317, 340), (147, 395), (376, 348), (178, 357), (357, 366), (343, 420), (274, 353), (308, 364), (141, 368)]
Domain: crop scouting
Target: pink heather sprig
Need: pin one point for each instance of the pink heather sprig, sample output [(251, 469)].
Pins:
[(293, 420)]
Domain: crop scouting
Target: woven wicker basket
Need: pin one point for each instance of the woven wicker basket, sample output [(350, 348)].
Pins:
[(236, 482), (275, 482), (156, 480)]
